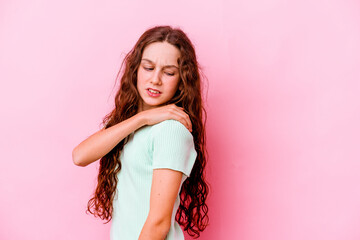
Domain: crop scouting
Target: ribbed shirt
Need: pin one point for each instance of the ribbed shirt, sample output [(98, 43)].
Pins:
[(167, 144)]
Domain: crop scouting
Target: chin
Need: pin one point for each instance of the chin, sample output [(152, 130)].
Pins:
[(153, 103)]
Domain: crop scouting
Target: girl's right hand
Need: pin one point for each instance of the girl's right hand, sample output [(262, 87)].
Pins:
[(170, 111)]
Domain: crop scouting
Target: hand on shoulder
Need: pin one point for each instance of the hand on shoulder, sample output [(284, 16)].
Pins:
[(167, 112)]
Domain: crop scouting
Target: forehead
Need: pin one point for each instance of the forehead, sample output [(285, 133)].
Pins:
[(162, 53)]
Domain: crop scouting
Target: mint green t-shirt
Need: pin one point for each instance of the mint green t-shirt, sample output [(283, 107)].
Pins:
[(167, 144)]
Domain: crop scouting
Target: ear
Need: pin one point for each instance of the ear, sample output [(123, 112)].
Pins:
[(181, 86)]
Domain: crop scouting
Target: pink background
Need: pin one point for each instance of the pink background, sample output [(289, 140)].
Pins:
[(283, 112)]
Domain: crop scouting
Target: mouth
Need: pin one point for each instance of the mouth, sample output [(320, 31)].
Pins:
[(153, 92)]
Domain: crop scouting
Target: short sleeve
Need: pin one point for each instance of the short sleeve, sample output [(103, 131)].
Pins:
[(173, 147)]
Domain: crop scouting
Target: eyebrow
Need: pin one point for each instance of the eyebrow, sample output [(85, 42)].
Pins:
[(166, 66)]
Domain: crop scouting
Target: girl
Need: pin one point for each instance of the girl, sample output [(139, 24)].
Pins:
[(152, 148)]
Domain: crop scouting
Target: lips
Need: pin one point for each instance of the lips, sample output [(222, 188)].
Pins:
[(153, 89)]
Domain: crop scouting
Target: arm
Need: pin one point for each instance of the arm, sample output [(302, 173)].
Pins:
[(164, 190), (100, 143)]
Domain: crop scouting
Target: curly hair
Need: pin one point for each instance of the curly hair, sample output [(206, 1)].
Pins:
[(192, 213)]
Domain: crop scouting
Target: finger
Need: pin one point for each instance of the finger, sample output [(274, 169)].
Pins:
[(185, 118), (182, 117)]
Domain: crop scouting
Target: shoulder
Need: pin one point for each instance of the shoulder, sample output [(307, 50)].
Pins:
[(169, 124), (170, 127), (172, 146)]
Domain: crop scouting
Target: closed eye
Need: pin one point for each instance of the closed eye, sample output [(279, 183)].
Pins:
[(169, 74), (148, 69)]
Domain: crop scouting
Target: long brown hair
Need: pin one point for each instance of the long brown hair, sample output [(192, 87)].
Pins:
[(192, 213)]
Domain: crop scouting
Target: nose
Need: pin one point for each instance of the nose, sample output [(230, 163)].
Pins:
[(156, 78)]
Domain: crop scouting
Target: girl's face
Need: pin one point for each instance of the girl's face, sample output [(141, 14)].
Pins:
[(158, 75)]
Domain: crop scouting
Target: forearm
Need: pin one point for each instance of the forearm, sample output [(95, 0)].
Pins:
[(154, 230), (100, 143)]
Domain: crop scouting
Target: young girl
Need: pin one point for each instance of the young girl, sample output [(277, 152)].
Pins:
[(152, 148)]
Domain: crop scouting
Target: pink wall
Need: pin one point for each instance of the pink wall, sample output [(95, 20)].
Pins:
[(283, 112)]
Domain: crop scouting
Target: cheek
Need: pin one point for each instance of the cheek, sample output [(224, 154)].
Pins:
[(174, 85), (141, 77)]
